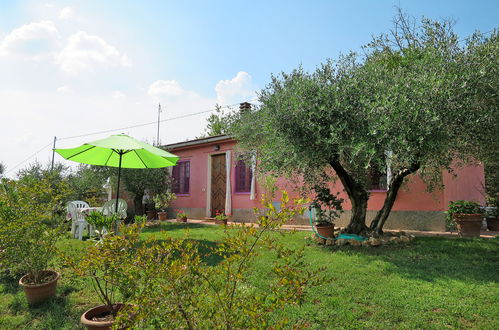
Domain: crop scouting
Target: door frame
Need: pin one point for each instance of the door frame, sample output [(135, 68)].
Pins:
[(208, 183)]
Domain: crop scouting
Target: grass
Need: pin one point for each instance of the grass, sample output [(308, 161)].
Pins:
[(432, 283)]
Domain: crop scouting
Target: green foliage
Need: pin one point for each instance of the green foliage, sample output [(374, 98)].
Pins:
[(220, 215), (327, 206), (29, 229), (87, 183), (107, 265), (137, 181), (181, 214), (102, 223), (168, 284), (417, 92), (163, 200), (218, 122), (140, 219)]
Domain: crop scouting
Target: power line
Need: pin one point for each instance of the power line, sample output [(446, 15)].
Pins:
[(149, 123), (118, 129), (33, 155)]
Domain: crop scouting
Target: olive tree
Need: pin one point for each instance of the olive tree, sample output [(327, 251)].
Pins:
[(405, 104)]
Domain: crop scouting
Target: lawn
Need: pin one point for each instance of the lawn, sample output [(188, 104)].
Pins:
[(432, 283)]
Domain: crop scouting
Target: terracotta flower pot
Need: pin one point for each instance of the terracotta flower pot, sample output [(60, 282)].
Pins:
[(162, 216), (468, 225), (182, 219), (151, 215), (99, 311), (221, 222), (493, 224), (37, 293), (326, 230)]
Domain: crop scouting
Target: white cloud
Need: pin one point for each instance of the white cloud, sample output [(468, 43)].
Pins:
[(31, 41), (161, 88), (64, 89), (86, 53), (238, 89), (118, 95), (66, 13)]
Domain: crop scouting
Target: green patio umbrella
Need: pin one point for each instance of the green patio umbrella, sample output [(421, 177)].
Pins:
[(121, 151)]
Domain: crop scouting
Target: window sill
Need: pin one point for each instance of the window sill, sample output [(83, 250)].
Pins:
[(182, 195), (242, 192)]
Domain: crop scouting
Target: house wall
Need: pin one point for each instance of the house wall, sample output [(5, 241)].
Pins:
[(466, 183), (415, 208)]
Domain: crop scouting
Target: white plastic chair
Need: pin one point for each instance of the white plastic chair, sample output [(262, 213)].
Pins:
[(78, 222), (109, 208)]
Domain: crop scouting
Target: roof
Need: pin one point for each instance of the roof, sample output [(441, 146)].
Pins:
[(206, 140)]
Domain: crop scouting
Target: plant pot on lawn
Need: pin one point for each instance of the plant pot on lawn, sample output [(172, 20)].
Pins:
[(151, 215), (325, 230), (492, 217), (182, 219), (468, 217), (468, 225), (37, 293), (99, 317), (161, 202)]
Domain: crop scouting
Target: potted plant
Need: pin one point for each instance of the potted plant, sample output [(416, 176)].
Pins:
[(162, 201), (328, 207), (28, 233), (181, 216), (221, 217), (468, 217), (108, 266), (491, 214)]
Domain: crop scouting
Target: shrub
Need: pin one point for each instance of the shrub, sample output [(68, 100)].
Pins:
[(175, 288), (28, 227), (162, 201)]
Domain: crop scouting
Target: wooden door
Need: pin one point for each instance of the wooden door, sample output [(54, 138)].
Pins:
[(218, 183)]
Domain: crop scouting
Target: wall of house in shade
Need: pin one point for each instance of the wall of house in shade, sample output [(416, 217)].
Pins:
[(415, 207)]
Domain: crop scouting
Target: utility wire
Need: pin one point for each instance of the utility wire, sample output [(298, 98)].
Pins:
[(118, 129), (24, 161), (149, 123)]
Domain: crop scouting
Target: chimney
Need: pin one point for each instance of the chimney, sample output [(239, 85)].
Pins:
[(245, 106)]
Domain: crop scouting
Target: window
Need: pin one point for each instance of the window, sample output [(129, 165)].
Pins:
[(181, 174), (243, 177), (377, 179)]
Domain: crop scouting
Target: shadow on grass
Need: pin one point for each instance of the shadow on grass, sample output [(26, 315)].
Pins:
[(10, 285), (205, 248), (167, 226), (434, 258)]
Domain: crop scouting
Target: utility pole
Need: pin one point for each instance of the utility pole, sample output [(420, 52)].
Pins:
[(159, 114), (53, 152)]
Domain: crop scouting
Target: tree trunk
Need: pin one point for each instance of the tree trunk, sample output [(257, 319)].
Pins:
[(358, 197), (393, 188), (137, 204)]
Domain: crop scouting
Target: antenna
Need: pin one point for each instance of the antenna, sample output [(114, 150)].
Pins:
[(159, 114)]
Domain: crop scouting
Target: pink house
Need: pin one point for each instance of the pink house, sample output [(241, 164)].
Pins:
[(209, 177)]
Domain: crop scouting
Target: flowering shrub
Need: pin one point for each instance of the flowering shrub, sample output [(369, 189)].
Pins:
[(181, 214)]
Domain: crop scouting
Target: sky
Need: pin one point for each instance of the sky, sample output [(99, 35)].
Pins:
[(72, 68)]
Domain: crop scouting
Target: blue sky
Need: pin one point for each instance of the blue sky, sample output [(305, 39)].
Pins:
[(73, 67)]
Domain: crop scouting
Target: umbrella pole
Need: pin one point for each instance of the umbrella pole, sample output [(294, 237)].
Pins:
[(118, 186), (118, 194)]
